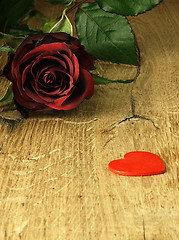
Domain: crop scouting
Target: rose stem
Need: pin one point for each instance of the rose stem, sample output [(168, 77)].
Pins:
[(76, 4)]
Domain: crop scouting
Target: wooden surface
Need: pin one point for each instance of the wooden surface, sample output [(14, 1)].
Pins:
[(54, 179)]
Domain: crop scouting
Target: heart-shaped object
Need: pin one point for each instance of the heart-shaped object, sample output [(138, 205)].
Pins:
[(138, 163)]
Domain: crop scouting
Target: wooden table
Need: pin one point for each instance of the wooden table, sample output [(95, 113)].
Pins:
[(54, 177)]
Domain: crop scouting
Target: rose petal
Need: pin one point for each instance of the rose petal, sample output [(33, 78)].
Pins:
[(51, 91), (20, 52), (46, 98), (46, 50), (49, 69), (39, 76), (85, 59), (64, 37), (33, 94), (84, 89), (44, 39), (25, 103), (46, 64), (66, 76), (24, 77), (18, 83)]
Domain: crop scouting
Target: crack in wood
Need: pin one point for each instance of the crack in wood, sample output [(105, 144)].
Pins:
[(108, 141), (144, 230), (132, 104), (136, 117), (133, 117)]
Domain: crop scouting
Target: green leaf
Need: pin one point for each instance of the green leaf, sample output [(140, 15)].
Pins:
[(48, 25), (127, 7), (98, 80), (41, 17), (23, 30), (58, 1), (106, 36), (8, 96), (64, 24), (34, 12), (11, 41), (6, 49), (12, 12)]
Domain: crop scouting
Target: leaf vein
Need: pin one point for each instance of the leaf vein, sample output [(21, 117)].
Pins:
[(100, 29)]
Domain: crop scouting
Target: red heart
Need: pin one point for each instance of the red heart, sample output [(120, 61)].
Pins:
[(138, 164)]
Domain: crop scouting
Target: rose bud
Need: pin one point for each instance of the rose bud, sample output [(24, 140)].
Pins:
[(50, 71)]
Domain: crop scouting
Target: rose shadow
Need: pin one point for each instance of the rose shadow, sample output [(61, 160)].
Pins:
[(109, 101)]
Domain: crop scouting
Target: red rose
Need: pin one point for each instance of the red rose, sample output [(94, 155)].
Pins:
[(50, 71)]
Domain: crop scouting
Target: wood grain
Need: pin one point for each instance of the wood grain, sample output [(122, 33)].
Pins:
[(54, 179)]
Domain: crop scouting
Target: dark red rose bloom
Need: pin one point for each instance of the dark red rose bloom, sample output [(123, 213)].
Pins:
[(50, 71)]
